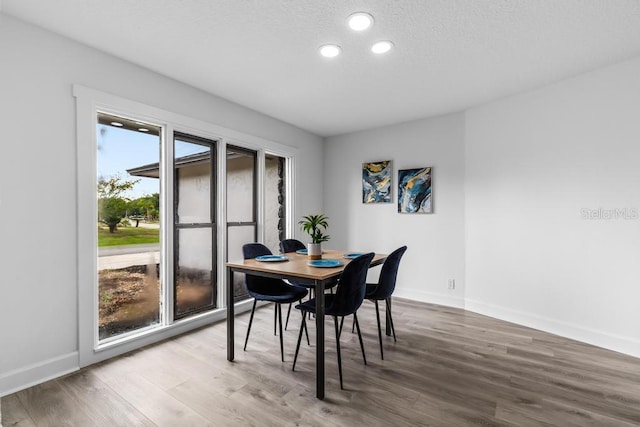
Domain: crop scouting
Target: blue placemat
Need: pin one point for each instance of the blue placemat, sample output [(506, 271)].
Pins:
[(272, 258), (325, 263), (352, 255)]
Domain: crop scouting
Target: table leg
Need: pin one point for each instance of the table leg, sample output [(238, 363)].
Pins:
[(230, 317), (319, 287)]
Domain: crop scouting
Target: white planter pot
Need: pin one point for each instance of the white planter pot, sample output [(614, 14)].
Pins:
[(314, 250)]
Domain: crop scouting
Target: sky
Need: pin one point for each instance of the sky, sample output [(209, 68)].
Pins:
[(122, 149)]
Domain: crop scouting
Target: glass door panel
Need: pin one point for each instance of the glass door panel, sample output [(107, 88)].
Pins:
[(241, 183), (236, 237), (194, 271), (241, 207), (128, 225), (195, 239)]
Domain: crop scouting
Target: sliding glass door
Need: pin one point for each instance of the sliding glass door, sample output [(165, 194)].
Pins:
[(241, 207), (194, 225), (163, 201), (158, 200), (130, 295), (128, 226)]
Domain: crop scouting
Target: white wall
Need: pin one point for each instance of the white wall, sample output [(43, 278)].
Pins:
[(533, 163), (435, 241), (518, 174), (38, 284)]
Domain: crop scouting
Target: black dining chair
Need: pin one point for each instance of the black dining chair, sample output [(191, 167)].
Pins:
[(292, 245), (384, 289), (268, 289), (346, 300)]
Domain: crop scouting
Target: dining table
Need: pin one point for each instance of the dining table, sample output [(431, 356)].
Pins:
[(295, 268)]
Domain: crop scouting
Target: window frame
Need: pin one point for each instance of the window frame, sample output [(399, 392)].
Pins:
[(88, 103), (177, 225)]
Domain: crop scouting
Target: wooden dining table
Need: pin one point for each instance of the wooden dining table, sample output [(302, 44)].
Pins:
[(295, 269)]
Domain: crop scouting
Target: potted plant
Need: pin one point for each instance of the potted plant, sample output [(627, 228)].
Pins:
[(314, 226)]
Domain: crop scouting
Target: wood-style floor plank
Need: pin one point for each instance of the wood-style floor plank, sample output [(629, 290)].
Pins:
[(48, 405), (14, 414), (448, 367), (104, 406)]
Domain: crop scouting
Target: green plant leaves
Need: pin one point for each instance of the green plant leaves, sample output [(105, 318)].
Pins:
[(313, 226)]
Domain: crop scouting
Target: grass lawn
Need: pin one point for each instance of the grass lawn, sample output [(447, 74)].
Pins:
[(127, 236)]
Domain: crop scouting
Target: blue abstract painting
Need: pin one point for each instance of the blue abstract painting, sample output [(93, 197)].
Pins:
[(414, 190), (376, 182)]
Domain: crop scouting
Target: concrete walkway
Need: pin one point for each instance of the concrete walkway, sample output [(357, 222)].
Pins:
[(115, 257), (128, 249)]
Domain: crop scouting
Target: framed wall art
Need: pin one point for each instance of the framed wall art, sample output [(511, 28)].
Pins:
[(414, 190), (376, 182)]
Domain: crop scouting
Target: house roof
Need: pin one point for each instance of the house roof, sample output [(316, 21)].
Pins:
[(152, 169)]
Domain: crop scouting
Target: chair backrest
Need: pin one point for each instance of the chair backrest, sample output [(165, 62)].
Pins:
[(257, 283), (291, 245), (389, 273), (253, 250), (351, 286)]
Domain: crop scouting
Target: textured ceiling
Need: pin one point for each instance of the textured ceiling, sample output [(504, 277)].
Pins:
[(449, 54)]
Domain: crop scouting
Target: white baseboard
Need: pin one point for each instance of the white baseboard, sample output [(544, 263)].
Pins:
[(37, 373), (431, 297), (602, 339)]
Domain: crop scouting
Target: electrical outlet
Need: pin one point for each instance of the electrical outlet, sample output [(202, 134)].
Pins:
[(452, 284)]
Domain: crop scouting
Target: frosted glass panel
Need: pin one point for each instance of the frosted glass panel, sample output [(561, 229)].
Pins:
[(238, 236), (240, 187), (195, 288), (193, 183)]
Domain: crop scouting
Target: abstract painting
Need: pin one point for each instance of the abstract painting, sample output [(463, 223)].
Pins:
[(414, 190), (376, 182)]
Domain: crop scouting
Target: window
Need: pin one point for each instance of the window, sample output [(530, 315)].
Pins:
[(128, 226), (163, 199), (194, 225), (275, 201), (241, 208)]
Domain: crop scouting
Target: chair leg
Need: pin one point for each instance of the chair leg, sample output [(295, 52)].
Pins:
[(303, 325), (379, 329), (335, 322), (312, 292), (393, 329), (253, 309), (286, 323), (279, 308), (306, 331), (355, 317), (341, 322), (275, 319), (353, 325)]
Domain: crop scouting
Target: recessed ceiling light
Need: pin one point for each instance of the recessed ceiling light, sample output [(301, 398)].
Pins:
[(360, 21), (117, 124), (330, 50), (383, 46), (143, 130)]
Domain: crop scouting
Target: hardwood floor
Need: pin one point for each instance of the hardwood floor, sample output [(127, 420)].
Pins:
[(449, 367)]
